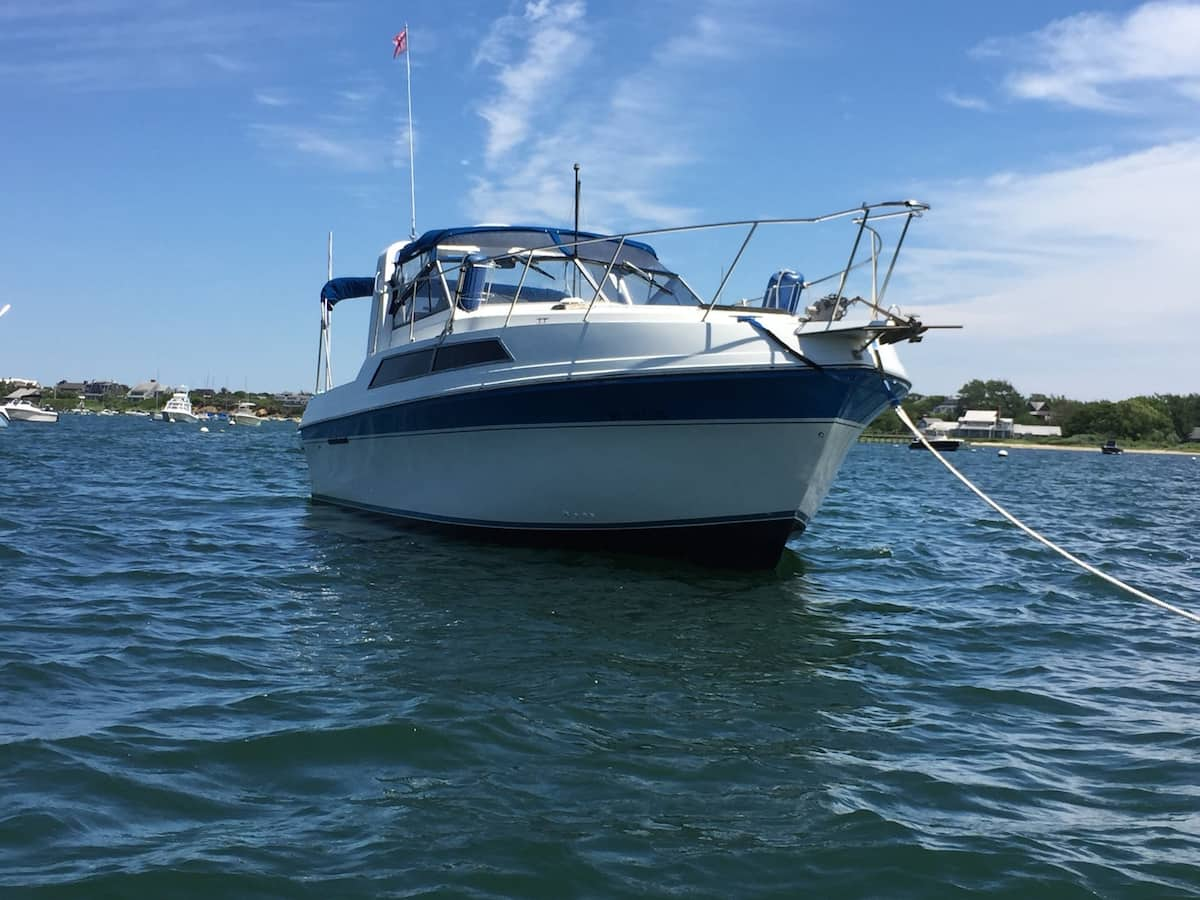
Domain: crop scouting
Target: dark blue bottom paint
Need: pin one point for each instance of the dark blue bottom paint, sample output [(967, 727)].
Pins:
[(747, 543)]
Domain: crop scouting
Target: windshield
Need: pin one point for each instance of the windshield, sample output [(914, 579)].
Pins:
[(550, 276)]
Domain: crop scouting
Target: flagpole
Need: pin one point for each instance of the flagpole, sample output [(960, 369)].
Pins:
[(412, 176)]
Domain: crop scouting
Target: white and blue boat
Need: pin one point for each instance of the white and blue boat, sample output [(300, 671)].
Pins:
[(547, 384)]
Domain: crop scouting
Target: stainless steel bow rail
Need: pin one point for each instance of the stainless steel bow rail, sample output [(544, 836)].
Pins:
[(899, 327), (447, 277)]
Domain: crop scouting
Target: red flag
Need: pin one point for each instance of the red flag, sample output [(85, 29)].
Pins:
[(400, 42)]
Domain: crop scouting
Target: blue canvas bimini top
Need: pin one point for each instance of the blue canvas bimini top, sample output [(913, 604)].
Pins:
[(560, 238), (337, 289)]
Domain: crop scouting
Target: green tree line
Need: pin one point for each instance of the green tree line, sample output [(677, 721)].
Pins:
[(1158, 418)]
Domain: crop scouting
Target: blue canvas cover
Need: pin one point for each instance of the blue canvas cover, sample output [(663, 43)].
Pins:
[(338, 289), (530, 236)]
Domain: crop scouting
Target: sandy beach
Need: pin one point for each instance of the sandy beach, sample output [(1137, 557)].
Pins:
[(1195, 452)]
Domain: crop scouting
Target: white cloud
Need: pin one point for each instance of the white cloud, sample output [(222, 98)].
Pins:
[(114, 45), (269, 98), (558, 102), (555, 46), (352, 153), (1104, 62), (1073, 280), (224, 63), (963, 101), (337, 127)]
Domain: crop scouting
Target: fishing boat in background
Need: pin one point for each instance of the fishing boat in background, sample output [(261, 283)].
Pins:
[(179, 409), (246, 413), (944, 444), (25, 411), (546, 384), (1110, 448)]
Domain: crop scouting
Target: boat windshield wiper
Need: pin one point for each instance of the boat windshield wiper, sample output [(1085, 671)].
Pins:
[(510, 262), (642, 273)]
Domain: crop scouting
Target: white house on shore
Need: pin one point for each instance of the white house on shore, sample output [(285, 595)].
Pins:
[(1036, 431), (147, 390), (983, 423)]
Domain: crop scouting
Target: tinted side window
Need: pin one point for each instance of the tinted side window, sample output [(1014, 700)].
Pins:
[(456, 356), (402, 367)]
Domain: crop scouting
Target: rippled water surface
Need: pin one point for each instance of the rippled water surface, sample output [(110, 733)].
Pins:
[(210, 687)]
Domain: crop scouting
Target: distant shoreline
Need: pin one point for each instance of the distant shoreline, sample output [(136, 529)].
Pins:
[(1077, 449)]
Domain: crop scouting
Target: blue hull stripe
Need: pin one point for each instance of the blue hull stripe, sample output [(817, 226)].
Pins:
[(855, 395)]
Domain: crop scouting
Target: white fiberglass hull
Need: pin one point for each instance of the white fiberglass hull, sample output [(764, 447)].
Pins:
[(185, 417), (245, 419), (30, 414), (653, 483), (719, 453)]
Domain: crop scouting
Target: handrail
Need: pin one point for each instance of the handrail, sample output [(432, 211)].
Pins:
[(612, 262), (875, 212), (725, 277)]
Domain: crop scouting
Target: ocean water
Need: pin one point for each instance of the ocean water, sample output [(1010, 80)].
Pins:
[(211, 687)]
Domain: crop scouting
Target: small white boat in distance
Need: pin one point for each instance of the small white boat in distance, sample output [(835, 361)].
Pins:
[(179, 409), (245, 414), (24, 411)]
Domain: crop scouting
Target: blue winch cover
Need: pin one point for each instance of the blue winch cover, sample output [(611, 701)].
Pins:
[(783, 291), (338, 289)]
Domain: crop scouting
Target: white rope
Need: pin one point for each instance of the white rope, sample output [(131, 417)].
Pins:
[(1033, 534)]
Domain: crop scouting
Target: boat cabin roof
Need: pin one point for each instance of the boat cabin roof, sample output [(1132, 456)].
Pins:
[(502, 238), (497, 241)]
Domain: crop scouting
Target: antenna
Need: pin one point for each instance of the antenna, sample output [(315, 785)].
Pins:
[(412, 176), (575, 246), (326, 326)]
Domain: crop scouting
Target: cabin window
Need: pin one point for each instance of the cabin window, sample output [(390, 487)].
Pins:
[(402, 367), (470, 353), (419, 289)]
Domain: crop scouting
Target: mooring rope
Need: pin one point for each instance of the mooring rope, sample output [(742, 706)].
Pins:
[(1033, 534)]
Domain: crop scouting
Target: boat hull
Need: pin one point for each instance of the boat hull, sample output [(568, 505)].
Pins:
[(721, 467), (187, 418), (945, 445), (30, 414), (749, 544), (245, 419)]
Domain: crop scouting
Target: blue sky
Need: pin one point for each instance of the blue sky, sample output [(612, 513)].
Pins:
[(169, 170)]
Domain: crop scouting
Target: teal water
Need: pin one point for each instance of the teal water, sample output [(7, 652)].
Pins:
[(210, 687)]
